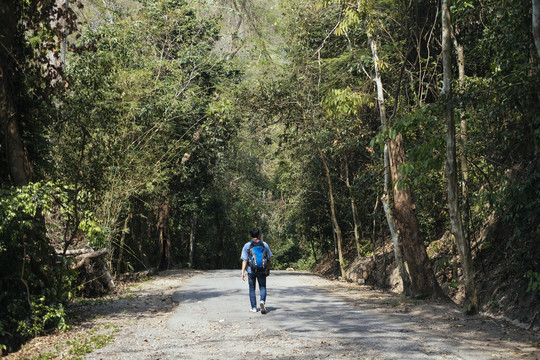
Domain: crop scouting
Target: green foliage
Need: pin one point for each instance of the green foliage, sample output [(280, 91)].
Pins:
[(154, 115), (287, 255), (33, 286), (86, 344), (345, 102), (93, 232), (44, 317), (144, 91)]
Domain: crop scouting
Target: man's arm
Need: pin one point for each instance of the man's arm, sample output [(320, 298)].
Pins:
[(269, 257), (244, 264)]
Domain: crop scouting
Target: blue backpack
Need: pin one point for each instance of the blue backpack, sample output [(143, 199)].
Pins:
[(258, 257)]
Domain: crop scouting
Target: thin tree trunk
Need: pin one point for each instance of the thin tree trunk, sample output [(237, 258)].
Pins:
[(221, 240), (463, 134), (321, 241), (149, 237), (356, 223), (168, 237), (312, 244), (337, 229), (536, 24), (122, 244), (164, 236), (451, 166), (423, 281), (192, 239), (374, 231), (335, 243)]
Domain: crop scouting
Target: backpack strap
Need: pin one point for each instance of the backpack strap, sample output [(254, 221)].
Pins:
[(251, 258)]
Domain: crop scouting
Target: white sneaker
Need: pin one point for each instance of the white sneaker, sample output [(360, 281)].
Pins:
[(253, 310), (263, 309)]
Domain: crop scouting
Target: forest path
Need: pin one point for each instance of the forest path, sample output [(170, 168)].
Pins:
[(309, 318)]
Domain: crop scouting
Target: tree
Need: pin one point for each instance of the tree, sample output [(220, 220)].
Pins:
[(333, 214), (140, 108), (451, 164), (16, 155), (391, 176), (33, 280), (423, 281)]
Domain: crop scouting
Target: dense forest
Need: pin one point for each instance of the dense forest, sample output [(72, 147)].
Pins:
[(402, 134)]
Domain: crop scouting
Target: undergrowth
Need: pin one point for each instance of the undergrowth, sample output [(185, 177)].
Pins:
[(83, 344)]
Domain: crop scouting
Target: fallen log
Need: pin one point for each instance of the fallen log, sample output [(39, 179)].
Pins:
[(85, 257), (74, 252)]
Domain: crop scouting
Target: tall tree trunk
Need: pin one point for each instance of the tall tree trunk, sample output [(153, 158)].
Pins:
[(337, 229), (451, 166), (536, 24), (20, 170), (356, 223), (398, 254), (463, 154), (423, 281), (18, 164), (465, 210)]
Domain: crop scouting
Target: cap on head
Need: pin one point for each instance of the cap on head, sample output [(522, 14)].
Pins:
[(254, 233)]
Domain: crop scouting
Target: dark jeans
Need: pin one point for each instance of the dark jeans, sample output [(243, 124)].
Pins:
[(252, 278)]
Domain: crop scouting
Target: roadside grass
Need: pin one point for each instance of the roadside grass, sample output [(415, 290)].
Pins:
[(81, 345)]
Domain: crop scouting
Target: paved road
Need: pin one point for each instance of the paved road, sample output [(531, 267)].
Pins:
[(212, 321), (207, 316)]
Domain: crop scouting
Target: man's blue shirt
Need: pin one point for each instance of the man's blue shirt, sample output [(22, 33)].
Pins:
[(245, 253)]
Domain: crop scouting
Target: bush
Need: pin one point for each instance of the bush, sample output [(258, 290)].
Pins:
[(33, 281), (290, 254)]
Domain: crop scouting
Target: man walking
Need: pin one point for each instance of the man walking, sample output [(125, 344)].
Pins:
[(255, 257)]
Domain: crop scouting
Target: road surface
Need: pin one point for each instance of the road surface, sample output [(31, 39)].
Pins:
[(306, 319)]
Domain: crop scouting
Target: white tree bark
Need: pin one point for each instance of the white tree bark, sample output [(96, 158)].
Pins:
[(405, 278), (463, 134), (356, 223)]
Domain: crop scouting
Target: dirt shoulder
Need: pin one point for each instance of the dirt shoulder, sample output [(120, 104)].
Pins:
[(146, 303), (445, 318), (144, 308)]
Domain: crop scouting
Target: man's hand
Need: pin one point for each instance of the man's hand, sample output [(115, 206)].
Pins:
[(243, 275)]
